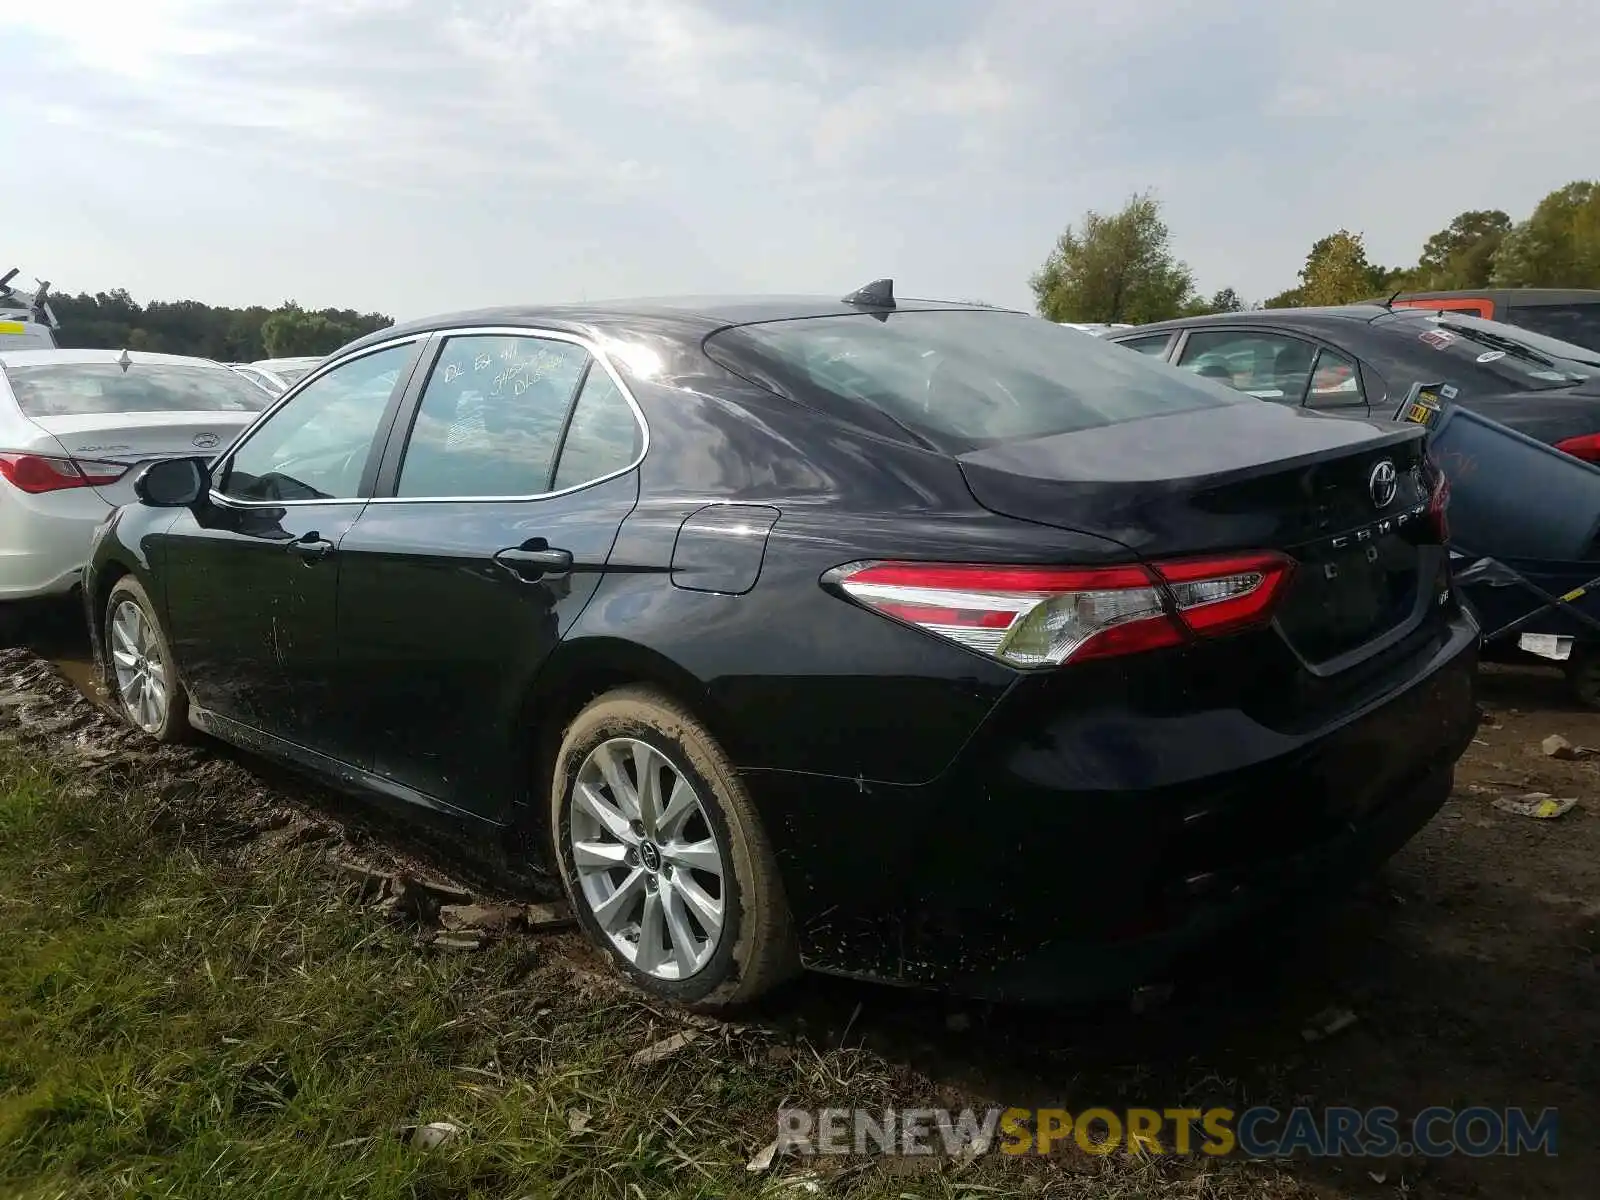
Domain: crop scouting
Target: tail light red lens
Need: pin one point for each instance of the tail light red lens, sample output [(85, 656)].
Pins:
[(39, 473), (1586, 447), (1046, 616), (1438, 499)]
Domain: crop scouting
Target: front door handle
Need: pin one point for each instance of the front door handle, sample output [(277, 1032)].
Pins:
[(533, 559), (312, 547)]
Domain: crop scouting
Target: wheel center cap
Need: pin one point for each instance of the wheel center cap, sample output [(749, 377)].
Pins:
[(649, 855)]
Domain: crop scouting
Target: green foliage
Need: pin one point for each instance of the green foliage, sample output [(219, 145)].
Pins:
[(1225, 300), (291, 332), (1462, 254), (1114, 268), (114, 320), (1558, 246), (1119, 268), (1337, 271)]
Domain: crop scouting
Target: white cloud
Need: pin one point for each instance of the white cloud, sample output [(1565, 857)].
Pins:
[(604, 146)]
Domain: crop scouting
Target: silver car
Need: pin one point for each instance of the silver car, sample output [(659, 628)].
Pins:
[(72, 425)]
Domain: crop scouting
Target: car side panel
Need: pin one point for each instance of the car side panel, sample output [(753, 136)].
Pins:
[(774, 663)]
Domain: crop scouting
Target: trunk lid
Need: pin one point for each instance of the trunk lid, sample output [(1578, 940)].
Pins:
[(1244, 477), (137, 437)]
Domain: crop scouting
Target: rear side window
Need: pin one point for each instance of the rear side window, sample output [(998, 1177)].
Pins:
[(1155, 345), (1335, 382), (961, 378), (491, 417), (90, 389), (1579, 323), (603, 437)]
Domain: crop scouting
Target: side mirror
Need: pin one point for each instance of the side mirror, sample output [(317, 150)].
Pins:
[(173, 482)]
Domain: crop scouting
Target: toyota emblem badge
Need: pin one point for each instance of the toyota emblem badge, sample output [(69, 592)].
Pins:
[(1383, 484)]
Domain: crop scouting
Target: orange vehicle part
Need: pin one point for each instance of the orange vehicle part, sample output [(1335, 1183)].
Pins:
[(1477, 308)]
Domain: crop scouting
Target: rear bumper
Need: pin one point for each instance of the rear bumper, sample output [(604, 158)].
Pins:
[(1081, 855), (44, 540)]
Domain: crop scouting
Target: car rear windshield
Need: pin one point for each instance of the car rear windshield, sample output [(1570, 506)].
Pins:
[(1578, 323), (1528, 361), (88, 389), (965, 378)]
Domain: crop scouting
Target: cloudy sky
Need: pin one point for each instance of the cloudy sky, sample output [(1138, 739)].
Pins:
[(414, 156)]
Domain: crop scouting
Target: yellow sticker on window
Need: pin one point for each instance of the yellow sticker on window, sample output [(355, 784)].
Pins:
[(13, 327)]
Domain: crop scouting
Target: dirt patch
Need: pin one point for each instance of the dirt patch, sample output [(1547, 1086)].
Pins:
[(1469, 965)]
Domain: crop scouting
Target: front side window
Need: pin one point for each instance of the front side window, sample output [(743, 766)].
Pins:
[(491, 417), (316, 446), (96, 388), (1268, 366)]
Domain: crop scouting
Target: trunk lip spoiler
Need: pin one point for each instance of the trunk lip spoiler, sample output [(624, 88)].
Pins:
[(1381, 440)]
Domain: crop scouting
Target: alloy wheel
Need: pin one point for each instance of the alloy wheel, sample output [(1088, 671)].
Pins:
[(140, 670), (648, 863)]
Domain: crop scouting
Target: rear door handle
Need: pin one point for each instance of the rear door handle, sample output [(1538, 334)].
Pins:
[(311, 547), (530, 562)]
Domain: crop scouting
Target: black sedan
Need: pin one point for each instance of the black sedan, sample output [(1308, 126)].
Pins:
[(1363, 358), (921, 642)]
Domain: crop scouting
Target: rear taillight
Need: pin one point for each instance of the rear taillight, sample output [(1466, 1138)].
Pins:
[(1438, 499), (1585, 446), (1044, 616), (37, 473)]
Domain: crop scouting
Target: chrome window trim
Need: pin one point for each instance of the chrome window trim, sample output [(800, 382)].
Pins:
[(226, 459), (551, 335)]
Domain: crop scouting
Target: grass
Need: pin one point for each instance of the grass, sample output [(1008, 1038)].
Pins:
[(176, 1024)]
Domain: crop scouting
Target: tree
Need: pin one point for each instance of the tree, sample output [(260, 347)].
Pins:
[(114, 320), (291, 332), (1462, 254), (1114, 268), (1558, 246), (1337, 271), (1225, 300)]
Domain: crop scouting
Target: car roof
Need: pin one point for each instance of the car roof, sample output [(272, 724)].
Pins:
[(1363, 313), (686, 316), (45, 358), (1527, 295)]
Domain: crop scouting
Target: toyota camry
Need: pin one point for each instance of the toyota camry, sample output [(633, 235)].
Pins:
[(927, 643)]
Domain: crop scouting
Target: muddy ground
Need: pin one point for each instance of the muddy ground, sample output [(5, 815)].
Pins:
[(1471, 963)]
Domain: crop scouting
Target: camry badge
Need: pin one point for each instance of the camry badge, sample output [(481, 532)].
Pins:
[(1383, 484), (204, 441)]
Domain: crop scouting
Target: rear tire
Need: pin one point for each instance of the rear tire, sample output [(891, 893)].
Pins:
[(675, 881), (141, 673)]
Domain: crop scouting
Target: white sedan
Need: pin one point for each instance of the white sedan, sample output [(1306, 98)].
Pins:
[(278, 375), (73, 423)]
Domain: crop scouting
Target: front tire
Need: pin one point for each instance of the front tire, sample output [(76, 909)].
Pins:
[(143, 675), (663, 858)]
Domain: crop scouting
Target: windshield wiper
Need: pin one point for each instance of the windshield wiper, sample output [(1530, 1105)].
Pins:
[(1504, 344)]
